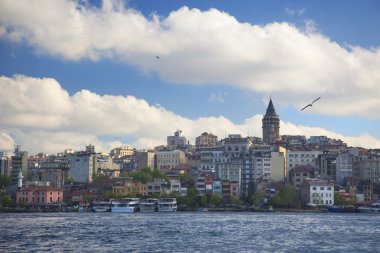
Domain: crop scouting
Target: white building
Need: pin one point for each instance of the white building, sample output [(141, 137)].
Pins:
[(318, 192)]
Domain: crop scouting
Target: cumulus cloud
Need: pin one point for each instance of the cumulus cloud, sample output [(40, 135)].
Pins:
[(84, 117), (205, 47)]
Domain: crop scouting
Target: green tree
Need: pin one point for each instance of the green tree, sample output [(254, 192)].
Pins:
[(257, 197), (6, 201), (234, 200), (124, 174), (142, 176), (186, 179), (4, 181), (158, 174), (215, 199), (69, 180), (286, 197), (204, 200), (340, 200), (192, 196)]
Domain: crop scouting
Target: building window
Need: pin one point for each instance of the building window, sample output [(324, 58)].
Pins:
[(322, 188), (314, 188), (51, 199)]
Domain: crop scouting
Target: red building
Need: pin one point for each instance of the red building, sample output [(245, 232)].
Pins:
[(39, 195)]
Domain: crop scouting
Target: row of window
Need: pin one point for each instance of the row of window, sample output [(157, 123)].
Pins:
[(322, 188), (302, 155)]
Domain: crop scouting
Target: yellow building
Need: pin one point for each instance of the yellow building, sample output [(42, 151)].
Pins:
[(128, 187)]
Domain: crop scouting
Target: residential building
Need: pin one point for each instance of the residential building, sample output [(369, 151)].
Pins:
[(210, 157), (300, 173), (82, 166), (271, 125), (230, 171), (157, 187), (122, 152), (104, 164), (217, 187), (144, 159), (127, 187), (206, 140), (368, 169), (327, 165), (235, 146), (53, 172), (296, 158), (5, 164), (167, 160), (177, 141), (344, 165), (278, 167), (318, 192)]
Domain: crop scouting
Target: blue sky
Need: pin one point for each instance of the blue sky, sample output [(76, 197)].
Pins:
[(219, 61)]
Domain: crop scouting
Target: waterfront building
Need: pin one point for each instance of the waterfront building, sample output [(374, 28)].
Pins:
[(217, 187), (206, 140), (19, 162), (82, 166), (127, 186), (271, 125), (168, 160), (318, 192), (157, 187), (278, 166), (203, 180), (39, 195), (230, 171)]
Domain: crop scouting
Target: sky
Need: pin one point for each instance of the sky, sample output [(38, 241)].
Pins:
[(74, 73)]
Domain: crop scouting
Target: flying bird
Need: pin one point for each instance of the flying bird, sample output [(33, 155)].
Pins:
[(311, 104), (158, 57)]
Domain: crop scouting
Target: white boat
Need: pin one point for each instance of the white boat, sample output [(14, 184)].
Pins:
[(125, 205), (167, 205), (374, 208), (101, 206), (149, 205)]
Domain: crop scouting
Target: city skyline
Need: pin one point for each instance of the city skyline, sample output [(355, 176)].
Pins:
[(75, 73)]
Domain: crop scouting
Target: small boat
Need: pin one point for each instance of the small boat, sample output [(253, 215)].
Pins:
[(341, 209), (374, 208), (101, 206), (125, 205), (167, 205), (149, 205)]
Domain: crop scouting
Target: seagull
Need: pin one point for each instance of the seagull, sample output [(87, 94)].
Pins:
[(311, 104), (158, 57)]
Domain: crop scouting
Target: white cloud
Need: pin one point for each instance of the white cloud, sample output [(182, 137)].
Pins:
[(294, 12), (84, 117), (205, 47), (217, 97)]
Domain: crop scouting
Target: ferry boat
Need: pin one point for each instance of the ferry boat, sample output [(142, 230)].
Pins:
[(101, 206), (167, 205), (374, 208), (149, 205), (125, 205)]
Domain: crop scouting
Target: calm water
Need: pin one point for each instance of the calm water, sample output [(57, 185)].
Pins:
[(189, 232)]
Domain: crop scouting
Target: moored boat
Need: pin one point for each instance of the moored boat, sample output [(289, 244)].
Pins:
[(374, 208), (167, 205), (101, 206), (125, 205), (149, 205), (341, 209)]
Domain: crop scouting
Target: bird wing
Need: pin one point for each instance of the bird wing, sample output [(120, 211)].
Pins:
[(158, 57), (316, 100), (306, 107)]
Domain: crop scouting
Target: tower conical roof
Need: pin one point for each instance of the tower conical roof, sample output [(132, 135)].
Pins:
[(270, 110)]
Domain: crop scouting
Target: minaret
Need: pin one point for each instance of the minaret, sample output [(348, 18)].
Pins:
[(271, 125), (20, 177)]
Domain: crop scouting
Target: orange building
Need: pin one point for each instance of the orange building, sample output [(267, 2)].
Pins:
[(39, 195)]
